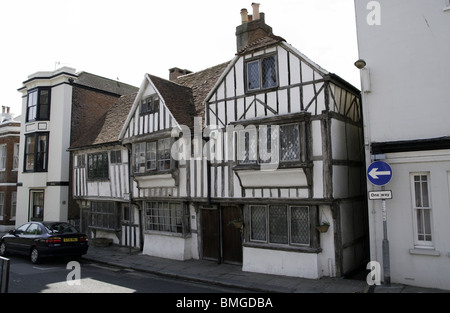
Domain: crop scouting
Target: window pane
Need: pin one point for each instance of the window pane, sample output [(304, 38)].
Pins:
[(421, 191), (151, 156), (253, 75), (278, 225), (269, 72), (164, 154), (41, 156), (164, 216), (268, 144), (139, 158), (44, 104), (258, 221), (248, 146), (300, 225), (290, 143), (31, 106)]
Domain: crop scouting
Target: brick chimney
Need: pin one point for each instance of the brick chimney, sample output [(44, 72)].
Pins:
[(177, 72), (253, 27)]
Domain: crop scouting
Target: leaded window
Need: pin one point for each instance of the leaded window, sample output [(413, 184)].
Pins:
[(166, 217), (271, 144), (103, 215), (98, 167), (280, 224), (152, 156), (290, 143), (248, 146), (164, 154), (262, 73)]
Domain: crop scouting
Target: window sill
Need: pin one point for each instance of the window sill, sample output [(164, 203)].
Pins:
[(167, 234), (299, 249), (424, 251)]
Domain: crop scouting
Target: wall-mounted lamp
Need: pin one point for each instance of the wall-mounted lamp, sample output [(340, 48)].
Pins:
[(360, 64)]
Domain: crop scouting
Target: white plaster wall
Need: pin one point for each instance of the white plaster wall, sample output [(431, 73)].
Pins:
[(407, 56), (327, 261), (168, 246), (283, 263), (413, 269)]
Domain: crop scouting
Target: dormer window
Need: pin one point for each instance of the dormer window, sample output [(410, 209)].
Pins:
[(262, 74), (38, 105), (150, 105)]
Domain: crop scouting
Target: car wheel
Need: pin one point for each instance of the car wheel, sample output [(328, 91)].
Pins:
[(3, 250), (35, 256)]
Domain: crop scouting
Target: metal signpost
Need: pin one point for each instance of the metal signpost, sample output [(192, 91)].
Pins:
[(380, 174)]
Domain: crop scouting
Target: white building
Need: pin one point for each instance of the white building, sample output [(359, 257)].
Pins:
[(406, 103), (52, 103)]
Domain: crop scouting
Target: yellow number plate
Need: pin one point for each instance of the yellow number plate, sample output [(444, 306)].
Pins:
[(70, 239)]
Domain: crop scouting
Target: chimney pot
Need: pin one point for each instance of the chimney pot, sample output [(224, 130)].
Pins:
[(244, 16), (256, 15)]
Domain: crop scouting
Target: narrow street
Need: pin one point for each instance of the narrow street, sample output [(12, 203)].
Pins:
[(52, 275)]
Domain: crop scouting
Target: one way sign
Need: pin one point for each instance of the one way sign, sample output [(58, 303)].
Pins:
[(379, 173)]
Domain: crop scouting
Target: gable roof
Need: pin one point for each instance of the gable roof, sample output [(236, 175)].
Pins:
[(178, 99), (201, 84), (106, 129)]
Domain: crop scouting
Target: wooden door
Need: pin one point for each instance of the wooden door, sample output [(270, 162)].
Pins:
[(231, 236), (210, 234)]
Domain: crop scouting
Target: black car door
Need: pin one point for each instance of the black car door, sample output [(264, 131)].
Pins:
[(15, 241), (28, 238)]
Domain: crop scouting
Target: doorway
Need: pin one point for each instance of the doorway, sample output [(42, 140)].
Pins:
[(222, 241)]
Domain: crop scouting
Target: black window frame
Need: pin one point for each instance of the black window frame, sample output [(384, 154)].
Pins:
[(289, 231), (104, 215), (150, 105), (98, 169), (37, 167), (255, 135), (116, 157), (152, 163), (38, 113), (260, 61)]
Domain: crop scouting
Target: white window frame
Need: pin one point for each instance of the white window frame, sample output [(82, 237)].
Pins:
[(418, 243), (16, 157), (3, 156), (13, 206)]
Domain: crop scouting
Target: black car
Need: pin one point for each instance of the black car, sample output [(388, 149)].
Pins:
[(44, 239)]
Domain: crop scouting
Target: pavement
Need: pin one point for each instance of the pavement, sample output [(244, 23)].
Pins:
[(229, 275)]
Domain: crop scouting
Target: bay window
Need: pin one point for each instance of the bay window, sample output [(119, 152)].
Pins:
[(36, 152), (38, 105), (152, 156)]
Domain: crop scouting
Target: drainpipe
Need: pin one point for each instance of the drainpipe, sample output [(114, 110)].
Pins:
[(208, 188), (130, 197)]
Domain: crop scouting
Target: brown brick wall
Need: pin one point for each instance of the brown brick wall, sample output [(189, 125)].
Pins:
[(8, 176)]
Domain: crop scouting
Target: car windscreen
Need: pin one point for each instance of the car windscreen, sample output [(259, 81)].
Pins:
[(61, 228)]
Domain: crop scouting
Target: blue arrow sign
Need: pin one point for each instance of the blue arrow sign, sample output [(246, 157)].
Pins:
[(379, 173)]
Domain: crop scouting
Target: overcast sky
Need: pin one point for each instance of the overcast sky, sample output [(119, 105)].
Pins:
[(123, 40)]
